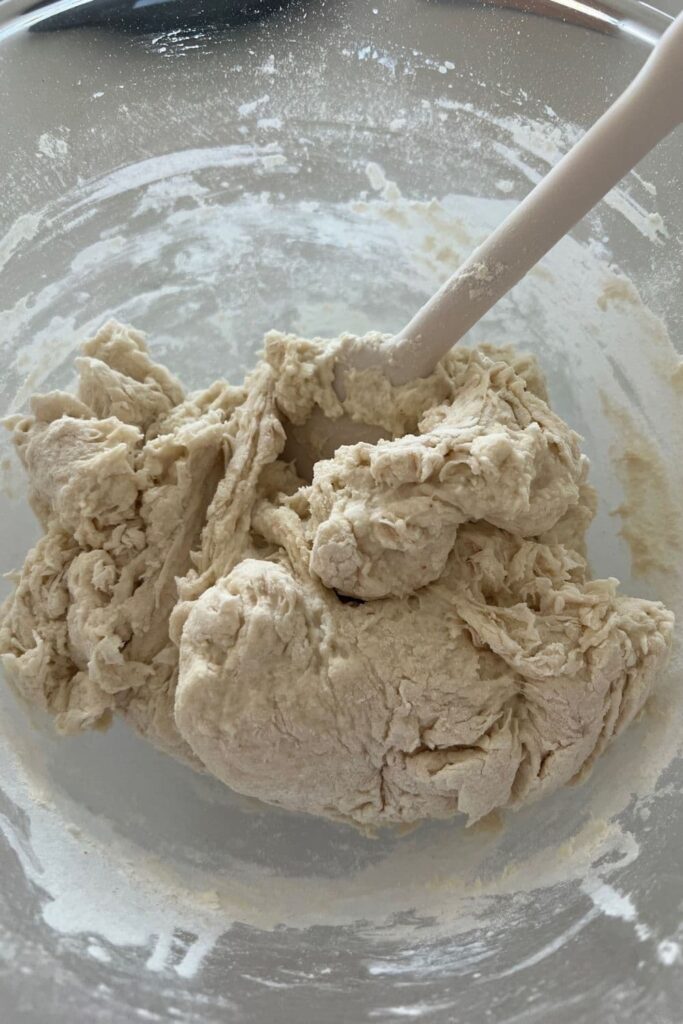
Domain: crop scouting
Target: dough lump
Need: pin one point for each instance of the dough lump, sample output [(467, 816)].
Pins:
[(414, 634)]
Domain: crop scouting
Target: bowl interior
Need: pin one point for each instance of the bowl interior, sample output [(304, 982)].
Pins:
[(320, 168)]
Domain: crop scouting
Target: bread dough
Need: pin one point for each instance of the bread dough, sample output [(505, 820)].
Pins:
[(414, 634)]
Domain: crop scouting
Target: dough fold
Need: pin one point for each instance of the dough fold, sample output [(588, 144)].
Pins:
[(415, 633)]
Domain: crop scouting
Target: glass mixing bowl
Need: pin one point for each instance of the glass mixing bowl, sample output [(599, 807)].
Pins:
[(316, 167)]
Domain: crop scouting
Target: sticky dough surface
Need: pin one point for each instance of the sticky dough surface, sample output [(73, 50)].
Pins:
[(414, 634)]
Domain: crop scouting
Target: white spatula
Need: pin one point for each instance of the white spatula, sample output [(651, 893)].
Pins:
[(645, 113)]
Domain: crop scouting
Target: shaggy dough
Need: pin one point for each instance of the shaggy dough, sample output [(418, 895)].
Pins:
[(414, 634)]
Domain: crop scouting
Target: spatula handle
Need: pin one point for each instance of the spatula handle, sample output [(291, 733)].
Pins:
[(645, 113)]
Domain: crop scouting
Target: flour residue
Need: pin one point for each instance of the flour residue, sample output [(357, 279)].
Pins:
[(23, 230), (669, 952), (546, 142), (53, 146)]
